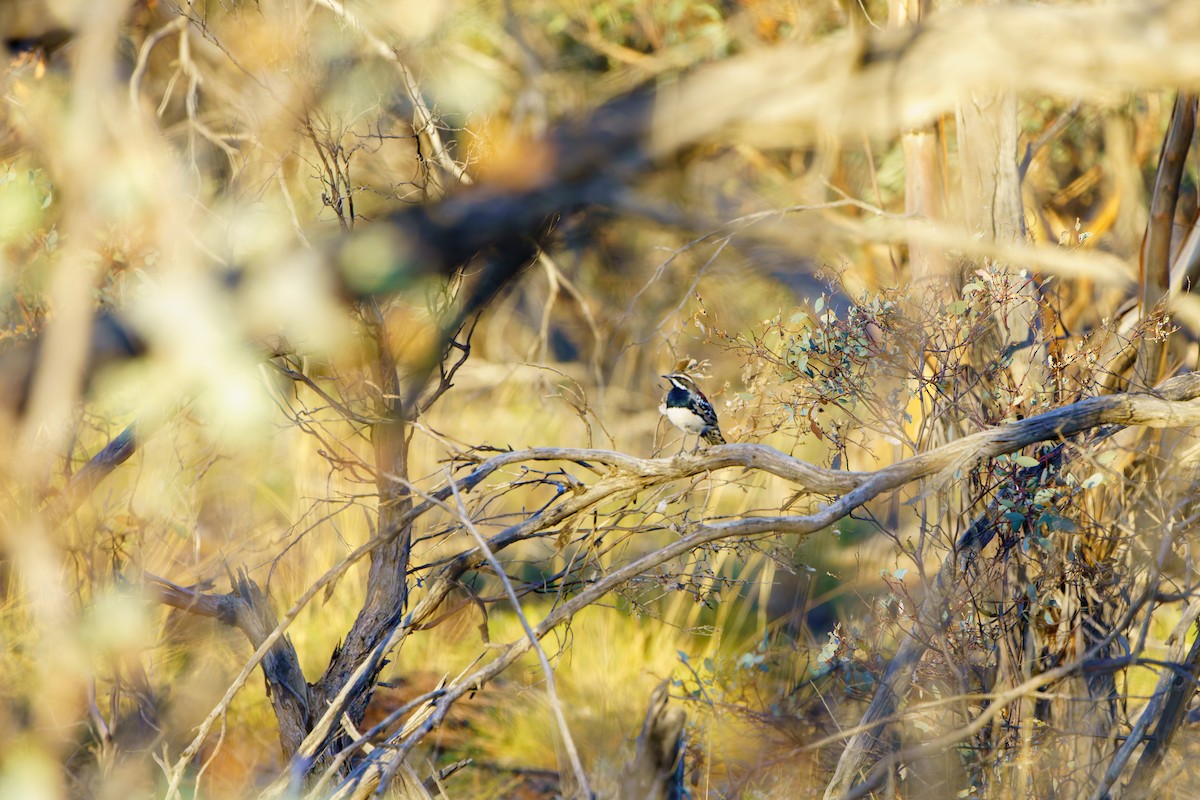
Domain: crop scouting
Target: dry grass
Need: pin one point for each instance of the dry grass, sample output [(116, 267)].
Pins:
[(155, 155)]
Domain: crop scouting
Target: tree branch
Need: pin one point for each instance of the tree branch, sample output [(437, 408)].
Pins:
[(248, 609)]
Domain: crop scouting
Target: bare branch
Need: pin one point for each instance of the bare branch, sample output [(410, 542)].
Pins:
[(100, 466), (248, 609)]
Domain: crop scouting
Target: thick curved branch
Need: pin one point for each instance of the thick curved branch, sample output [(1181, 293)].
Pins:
[(387, 579)]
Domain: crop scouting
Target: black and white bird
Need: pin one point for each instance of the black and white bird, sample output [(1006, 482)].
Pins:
[(689, 410)]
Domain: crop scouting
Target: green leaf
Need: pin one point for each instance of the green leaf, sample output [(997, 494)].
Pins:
[(1058, 523), (1026, 461), (1093, 480)]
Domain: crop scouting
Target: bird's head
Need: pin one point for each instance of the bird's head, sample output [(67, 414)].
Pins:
[(682, 381)]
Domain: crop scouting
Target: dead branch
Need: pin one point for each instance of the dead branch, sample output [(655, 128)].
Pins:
[(998, 701), (248, 609), (890, 81), (1172, 405), (899, 80), (99, 467), (1151, 712), (568, 741), (1168, 707)]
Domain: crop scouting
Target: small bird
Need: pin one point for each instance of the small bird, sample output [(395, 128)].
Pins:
[(689, 410)]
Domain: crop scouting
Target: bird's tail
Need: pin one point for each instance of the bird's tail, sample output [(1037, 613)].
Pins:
[(713, 436)]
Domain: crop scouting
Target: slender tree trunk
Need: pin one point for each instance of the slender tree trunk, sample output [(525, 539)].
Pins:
[(1156, 246), (992, 209), (387, 586), (923, 195)]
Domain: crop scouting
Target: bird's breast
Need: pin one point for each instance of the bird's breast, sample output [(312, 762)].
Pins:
[(685, 419)]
